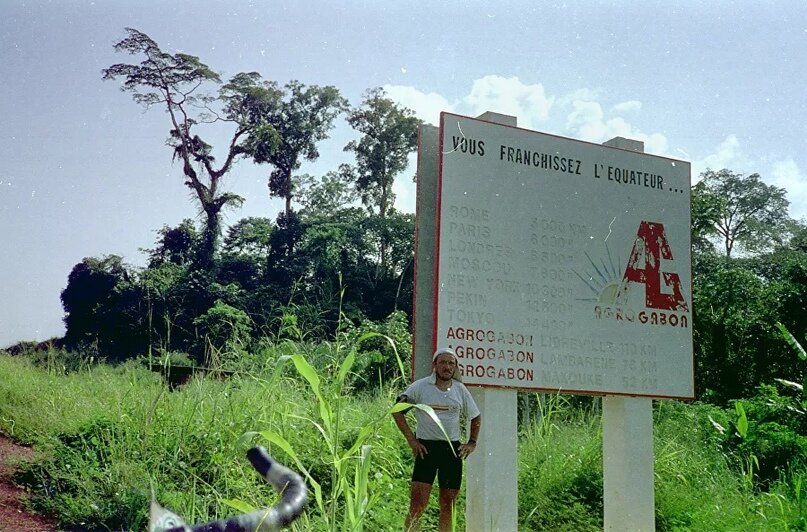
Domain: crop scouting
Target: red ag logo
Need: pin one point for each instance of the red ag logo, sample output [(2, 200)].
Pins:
[(663, 303), (644, 266)]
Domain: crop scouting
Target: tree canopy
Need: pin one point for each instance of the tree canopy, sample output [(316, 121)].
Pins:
[(303, 116), (180, 83), (741, 211)]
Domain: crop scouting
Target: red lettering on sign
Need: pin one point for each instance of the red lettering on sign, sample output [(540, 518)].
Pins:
[(644, 266)]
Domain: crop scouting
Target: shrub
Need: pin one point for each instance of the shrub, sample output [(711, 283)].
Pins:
[(225, 329), (376, 360), (776, 435)]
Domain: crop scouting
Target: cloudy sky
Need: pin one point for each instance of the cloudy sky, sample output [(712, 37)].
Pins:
[(85, 172)]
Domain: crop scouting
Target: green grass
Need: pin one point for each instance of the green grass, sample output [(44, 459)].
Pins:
[(108, 435)]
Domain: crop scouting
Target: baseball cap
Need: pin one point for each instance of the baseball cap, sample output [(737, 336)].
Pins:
[(448, 351)]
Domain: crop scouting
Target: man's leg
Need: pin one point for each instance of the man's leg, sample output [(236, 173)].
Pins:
[(447, 497), (418, 500)]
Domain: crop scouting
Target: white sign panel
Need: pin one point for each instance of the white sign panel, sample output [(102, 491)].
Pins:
[(562, 265)]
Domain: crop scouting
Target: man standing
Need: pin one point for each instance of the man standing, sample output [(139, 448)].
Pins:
[(449, 398)]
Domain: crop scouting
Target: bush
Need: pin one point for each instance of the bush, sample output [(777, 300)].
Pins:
[(376, 361), (225, 330), (84, 485), (776, 435)]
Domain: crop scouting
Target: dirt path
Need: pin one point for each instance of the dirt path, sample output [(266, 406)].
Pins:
[(13, 516)]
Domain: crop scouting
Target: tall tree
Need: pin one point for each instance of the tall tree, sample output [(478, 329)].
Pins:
[(303, 118), (178, 82), (389, 136), (752, 215), (706, 211)]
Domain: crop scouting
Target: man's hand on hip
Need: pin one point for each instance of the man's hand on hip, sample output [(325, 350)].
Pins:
[(466, 449), (418, 449)]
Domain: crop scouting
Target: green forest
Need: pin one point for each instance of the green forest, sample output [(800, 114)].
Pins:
[(309, 317)]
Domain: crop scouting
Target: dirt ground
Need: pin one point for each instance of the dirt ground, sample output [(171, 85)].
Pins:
[(13, 515)]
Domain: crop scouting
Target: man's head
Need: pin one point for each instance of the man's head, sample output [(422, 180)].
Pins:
[(445, 364)]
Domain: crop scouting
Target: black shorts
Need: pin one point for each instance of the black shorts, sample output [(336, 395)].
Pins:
[(440, 461)]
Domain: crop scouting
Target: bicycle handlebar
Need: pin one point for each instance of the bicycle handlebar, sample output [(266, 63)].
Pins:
[(290, 506)]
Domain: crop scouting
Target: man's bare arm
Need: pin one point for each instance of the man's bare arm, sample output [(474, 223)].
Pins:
[(470, 446), (418, 449), (476, 425)]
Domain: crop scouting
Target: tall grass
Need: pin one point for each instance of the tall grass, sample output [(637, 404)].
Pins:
[(109, 435)]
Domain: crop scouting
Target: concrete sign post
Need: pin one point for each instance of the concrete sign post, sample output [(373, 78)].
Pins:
[(629, 503), (425, 249)]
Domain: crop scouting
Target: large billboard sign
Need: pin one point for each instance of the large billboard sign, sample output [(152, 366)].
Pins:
[(562, 265)]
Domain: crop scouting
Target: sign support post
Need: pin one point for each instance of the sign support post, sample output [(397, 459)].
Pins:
[(425, 244), (491, 491), (627, 447), (627, 463), (491, 485)]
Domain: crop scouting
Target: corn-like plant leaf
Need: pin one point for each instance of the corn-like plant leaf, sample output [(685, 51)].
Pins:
[(742, 420), (363, 434), (398, 407), (790, 339), (325, 412), (281, 442), (316, 425), (347, 363), (308, 373), (361, 483), (241, 506)]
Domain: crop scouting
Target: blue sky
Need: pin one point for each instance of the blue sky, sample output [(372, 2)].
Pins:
[(84, 171)]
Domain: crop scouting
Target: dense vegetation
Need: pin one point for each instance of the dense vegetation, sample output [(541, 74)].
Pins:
[(325, 289), (109, 434)]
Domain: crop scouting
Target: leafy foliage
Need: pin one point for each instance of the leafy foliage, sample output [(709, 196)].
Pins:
[(303, 117), (381, 350), (770, 429), (176, 245), (743, 210), (389, 136), (180, 82), (224, 328)]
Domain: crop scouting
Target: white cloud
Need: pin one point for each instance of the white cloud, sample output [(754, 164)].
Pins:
[(627, 107), (588, 121), (405, 189), (509, 96), (427, 106), (535, 109), (727, 155), (578, 113), (582, 113), (786, 174), (584, 94)]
